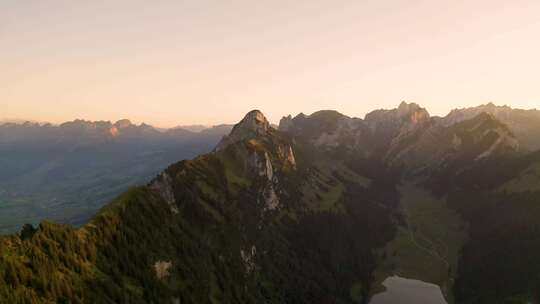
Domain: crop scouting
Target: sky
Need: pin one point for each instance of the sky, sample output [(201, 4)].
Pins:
[(171, 63)]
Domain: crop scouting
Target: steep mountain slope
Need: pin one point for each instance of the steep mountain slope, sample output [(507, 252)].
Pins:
[(66, 173), (405, 137), (333, 131), (525, 124), (427, 156), (389, 126), (329, 130), (437, 147), (259, 220), (500, 262), (319, 211)]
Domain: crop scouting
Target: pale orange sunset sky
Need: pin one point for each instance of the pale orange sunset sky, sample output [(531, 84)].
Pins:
[(184, 62)]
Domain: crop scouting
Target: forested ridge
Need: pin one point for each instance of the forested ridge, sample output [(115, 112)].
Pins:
[(501, 261), (221, 239)]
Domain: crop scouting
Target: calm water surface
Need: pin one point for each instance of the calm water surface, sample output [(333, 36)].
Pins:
[(408, 291)]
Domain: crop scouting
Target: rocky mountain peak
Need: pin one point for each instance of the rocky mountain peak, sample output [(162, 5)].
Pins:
[(285, 123), (504, 113), (123, 123), (405, 108), (412, 111), (252, 125)]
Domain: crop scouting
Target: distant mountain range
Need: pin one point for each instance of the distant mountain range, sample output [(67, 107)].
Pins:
[(321, 209), (193, 128), (67, 172)]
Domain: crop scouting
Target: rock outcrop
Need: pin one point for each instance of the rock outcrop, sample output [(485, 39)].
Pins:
[(252, 125)]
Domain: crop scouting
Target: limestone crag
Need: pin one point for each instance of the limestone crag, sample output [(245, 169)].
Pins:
[(252, 125)]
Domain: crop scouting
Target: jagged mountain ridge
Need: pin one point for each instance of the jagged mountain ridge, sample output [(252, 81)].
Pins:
[(406, 136), (260, 219), (525, 124), (93, 132), (269, 216), (435, 146), (369, 136)]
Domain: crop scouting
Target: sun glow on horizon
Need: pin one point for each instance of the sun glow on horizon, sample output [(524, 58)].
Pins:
[(170, 63)]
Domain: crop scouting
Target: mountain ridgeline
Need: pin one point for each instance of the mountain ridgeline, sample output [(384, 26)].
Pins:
[(406, 137), (67, 172), (319, 210)]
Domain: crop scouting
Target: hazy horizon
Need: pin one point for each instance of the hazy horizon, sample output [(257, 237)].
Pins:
[(240, 116), (169, 63)]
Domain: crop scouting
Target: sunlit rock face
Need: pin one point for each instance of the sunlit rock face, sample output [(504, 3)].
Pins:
[(252, 125)]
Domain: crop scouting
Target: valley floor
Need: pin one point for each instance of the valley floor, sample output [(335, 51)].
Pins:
[(427, 245)]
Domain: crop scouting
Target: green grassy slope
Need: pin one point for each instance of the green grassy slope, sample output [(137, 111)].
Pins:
[(426, 247)]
